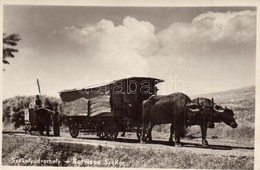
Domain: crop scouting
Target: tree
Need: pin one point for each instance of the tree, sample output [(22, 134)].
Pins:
[(9, 41)]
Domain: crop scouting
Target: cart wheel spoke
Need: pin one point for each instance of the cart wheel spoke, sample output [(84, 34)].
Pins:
[(102, 135), (112, 130)]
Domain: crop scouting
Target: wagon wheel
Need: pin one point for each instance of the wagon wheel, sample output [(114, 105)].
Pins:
[(101, 133), (112, 130), (74, 130)]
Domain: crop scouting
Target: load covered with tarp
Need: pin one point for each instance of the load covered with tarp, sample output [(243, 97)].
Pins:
[(99, 105), (76, 107), (88, 107), (119, 98)]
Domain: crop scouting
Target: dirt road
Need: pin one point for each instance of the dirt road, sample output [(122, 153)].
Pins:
[(216, 146)]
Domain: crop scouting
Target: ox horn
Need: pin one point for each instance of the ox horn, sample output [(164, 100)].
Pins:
[(189, 105), (198, 100), (212, 102), (194, 110), (218, 110)]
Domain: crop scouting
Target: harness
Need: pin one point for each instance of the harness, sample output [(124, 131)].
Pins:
[(195, 118)]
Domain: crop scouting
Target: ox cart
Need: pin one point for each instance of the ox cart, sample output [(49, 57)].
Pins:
[(40, 119), (109, 108)]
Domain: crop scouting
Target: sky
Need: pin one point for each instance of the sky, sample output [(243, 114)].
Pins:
[(195, 50)]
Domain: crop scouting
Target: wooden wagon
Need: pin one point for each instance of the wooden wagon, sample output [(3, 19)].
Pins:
[(109, 108), (40, 119)]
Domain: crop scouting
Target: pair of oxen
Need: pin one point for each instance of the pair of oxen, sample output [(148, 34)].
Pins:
[(180, 111)]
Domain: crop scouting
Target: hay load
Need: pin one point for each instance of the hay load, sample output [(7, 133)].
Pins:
[(87, 107), (76, 108), (99, 105)]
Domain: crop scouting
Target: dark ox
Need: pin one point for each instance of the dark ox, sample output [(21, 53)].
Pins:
[(164, 110), (210, 114)]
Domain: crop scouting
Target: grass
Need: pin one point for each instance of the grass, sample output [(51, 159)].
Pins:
[(149, 158), (17, 148), (39, 148), (244, 131)]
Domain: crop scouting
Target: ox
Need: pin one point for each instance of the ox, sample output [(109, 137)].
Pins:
[(210, 114), (167, 109)]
